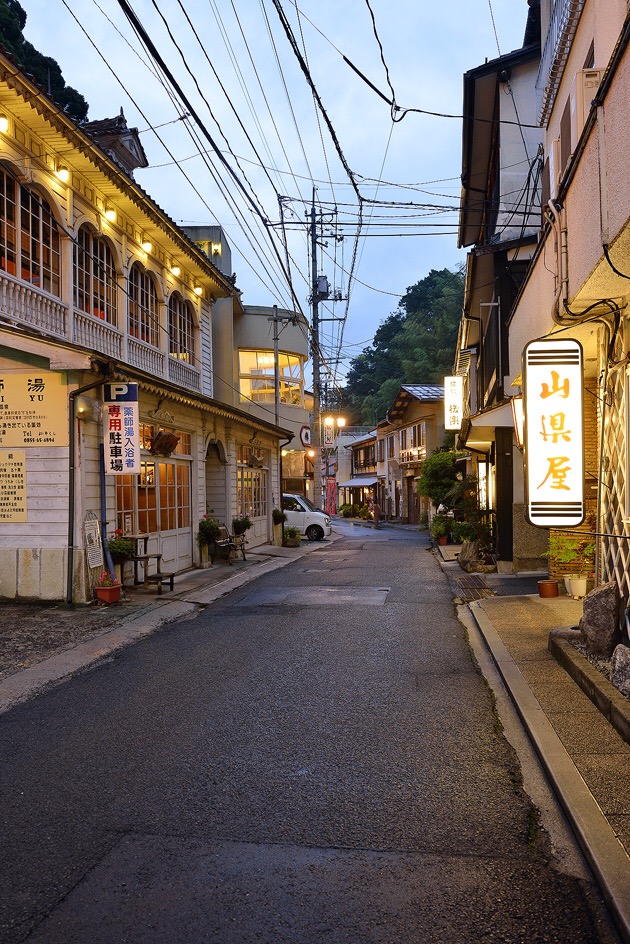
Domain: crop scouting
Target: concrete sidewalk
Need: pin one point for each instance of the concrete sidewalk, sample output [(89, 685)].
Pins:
[(586, 759)]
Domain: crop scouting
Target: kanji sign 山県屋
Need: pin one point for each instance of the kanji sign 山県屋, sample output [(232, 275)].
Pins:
[(554, 440)]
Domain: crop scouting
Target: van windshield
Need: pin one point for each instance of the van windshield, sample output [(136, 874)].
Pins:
[(309, 504)]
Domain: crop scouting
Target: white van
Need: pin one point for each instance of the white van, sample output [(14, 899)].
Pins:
[(302, 514)]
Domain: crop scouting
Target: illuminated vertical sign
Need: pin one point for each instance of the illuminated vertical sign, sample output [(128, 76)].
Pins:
[(122, 431), (554, 439), (453, 402)]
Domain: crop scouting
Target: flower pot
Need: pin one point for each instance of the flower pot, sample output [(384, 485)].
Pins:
[(108, 595), (443, 539), (292, 542), (547, 588), (577, 587)]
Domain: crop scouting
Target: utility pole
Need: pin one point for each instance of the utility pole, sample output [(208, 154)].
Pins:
[(317, 415)]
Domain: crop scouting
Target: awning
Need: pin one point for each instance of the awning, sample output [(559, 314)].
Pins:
[(358, 483)]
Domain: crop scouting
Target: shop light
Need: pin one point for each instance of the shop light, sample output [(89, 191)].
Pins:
[(553, 389)]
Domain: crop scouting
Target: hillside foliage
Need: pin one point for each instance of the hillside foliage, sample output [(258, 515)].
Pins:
[(45, 70), (414, 345)]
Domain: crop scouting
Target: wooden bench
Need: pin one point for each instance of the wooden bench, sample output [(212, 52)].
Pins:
[(159, 577), (144, 560), (227, 546)]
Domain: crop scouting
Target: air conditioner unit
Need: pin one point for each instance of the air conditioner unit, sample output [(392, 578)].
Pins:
[(554, 168), (583, 91)]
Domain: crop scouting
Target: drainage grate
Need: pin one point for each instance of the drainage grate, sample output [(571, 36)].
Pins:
[(473, 587)]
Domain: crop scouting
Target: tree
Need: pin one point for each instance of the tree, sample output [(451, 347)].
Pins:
[(415, 344), (46, 71)]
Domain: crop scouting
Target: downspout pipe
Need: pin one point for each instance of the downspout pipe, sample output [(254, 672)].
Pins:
[(72, 448), (558, 226)]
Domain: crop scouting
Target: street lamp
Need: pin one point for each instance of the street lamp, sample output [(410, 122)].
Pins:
[(331, 426)]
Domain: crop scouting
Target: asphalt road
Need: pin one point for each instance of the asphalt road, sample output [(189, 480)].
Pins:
[(313, 759)]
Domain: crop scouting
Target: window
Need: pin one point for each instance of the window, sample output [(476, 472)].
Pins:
[(257, 377), (390, 447), (181, 333), (143, 306), (251, 482), (29, 238), (94, 276), (380, 448), (403, 438)]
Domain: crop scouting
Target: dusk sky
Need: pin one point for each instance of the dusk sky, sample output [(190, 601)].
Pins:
[(251, 95)]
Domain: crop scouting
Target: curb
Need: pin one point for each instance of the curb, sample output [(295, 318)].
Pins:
[(612, 704), (601, 848)]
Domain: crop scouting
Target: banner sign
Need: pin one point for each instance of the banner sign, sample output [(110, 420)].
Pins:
[(122, 430), (554, 440), (453, 402)]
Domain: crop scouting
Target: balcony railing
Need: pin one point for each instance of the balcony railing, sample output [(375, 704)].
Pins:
[(98, 335), (21, 303), (409, 456)]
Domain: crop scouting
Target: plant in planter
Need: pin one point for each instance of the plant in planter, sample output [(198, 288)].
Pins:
[(440, 528), (121, 548), (572, 556), (279, 516), (208, 530), (241, 525), (107, 588), (292, 536)]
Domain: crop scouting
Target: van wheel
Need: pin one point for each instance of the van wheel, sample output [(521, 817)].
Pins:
[(314, 532)]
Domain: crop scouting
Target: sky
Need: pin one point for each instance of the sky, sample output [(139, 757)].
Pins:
[(257, 133)]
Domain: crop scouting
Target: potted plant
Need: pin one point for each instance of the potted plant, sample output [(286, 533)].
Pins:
[(292, 536), (120, 547), (107, 588), (208, 530), (241, 525), (279, 516), (572, 555), (440, 528)]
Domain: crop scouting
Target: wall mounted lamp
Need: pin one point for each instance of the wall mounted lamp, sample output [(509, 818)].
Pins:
[(110, 214), (4, 124), (147, 245), (63, 173), (198, 290), (175, 269)]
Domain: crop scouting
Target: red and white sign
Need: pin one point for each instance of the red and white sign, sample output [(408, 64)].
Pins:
[(122, 430)]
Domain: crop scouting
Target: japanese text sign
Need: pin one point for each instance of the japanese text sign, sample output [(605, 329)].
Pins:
[(122, 431), (453, 402), (554, 441), (33, 409)]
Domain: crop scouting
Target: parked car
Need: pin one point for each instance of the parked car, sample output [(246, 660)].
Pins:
[(302, 514)]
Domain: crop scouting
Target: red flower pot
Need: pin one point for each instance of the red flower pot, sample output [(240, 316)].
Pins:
[(108, 595)]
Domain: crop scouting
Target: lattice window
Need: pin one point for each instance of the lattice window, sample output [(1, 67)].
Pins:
[(29, 238), (143, 306), (181, 332), (94, 276), (614, 561)]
